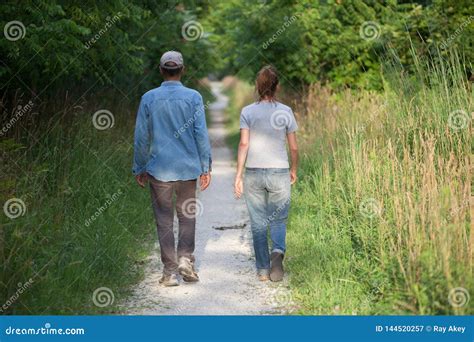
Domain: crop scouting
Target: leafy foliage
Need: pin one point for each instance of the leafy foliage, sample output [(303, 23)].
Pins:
[(327, 42), (108, 43)]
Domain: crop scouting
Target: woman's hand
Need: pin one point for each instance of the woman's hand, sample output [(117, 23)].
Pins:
[(293, 176), (294, 157), (238, 186)]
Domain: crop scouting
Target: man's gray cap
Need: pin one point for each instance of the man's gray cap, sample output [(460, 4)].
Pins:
[(174, 57)]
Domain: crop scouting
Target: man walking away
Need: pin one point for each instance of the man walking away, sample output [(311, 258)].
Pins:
[(172, 150)]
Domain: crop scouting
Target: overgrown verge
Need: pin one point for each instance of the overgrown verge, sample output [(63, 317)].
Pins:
[(77, 227), (380, 218)]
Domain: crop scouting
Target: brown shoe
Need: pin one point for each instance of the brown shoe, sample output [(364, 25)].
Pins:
[(263, 277), (276, 271), (169, 280), (186, 269), (194, 278)]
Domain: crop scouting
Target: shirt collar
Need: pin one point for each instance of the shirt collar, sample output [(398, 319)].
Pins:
[(171, 83)]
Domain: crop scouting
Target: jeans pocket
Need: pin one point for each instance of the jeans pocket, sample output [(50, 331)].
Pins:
[(250, 170), (280, 171), (249, 179), (279, 181)]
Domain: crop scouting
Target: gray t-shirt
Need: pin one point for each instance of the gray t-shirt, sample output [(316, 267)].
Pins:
[(268, 123)]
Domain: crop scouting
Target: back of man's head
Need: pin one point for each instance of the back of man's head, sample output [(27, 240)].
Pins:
[(171, 64)]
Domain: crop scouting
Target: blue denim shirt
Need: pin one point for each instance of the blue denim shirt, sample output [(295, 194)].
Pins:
[(171, 140)]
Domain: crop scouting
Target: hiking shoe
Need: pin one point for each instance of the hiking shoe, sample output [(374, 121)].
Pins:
[(263, 277), (276, 271), (186, 269), (169, 280), (194, 278)]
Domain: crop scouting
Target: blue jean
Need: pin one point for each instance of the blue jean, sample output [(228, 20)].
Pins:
[(267, 194)]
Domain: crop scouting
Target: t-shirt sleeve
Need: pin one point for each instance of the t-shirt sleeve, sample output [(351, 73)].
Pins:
[(292, 125), (244, 120)]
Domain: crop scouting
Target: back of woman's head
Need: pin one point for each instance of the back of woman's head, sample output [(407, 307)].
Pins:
[(266, 83)]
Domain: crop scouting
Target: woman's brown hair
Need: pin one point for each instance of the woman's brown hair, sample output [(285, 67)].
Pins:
[(266, 83)]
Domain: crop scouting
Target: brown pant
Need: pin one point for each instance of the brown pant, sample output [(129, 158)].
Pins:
[(162, 202)]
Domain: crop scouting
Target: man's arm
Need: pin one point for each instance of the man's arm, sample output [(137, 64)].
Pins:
[(142, 144), (202, 140)]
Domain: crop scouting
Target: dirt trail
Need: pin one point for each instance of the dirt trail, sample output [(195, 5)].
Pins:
[(224, 254)]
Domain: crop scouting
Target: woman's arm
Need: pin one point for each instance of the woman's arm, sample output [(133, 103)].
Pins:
[(293, 145), (241, 157)]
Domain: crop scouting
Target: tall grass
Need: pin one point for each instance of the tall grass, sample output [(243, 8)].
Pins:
[(380, 218), (66, 171)]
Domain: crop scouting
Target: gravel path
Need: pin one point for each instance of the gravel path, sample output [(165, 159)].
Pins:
[(224, 254)]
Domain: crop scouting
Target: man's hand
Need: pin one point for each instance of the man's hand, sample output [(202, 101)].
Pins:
[(238, 187), (141, 179), (205, 180), (293, 176)]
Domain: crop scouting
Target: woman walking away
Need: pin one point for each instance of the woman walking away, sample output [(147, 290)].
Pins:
[(265, 126)]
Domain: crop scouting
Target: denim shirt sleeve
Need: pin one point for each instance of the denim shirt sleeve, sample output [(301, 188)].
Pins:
[(142, 139), (201, 136)]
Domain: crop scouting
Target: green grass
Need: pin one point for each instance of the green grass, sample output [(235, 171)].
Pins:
[(63, 180), (413, 166), (380, 220), (64, 177)]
